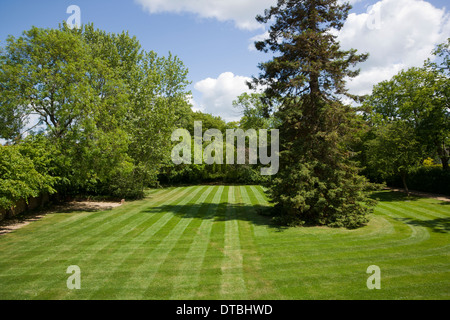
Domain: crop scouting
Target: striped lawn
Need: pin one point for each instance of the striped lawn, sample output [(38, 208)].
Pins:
[(209, 242)]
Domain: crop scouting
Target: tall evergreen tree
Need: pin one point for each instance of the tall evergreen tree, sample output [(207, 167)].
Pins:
[(318, 182)]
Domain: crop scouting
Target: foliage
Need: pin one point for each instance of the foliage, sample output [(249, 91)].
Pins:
[(394, 151), (318, 182), (442, 114), (219, 173), (105, 104), (409, 116), (158, 104), (419, 98), (428, 162), (254, 111), (24, 172)]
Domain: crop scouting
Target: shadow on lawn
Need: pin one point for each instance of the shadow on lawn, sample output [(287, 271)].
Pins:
[(259, 215), (222, 212), (441, 225), (392, 196)]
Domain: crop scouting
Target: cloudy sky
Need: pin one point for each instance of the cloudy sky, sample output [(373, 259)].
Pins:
[(214, 38)]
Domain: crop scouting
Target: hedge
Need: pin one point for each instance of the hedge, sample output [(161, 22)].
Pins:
[(426, 179)]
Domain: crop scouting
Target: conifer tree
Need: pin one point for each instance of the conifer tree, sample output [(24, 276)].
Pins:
[(318, 182)]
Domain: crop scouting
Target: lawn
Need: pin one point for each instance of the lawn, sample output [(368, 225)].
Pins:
[(209, 242)]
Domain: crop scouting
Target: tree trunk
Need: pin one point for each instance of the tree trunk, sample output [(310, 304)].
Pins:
[(444, 161), (404, 183), (443, 155)]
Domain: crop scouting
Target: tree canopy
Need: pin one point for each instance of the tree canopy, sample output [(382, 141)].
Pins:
[(107, 105)]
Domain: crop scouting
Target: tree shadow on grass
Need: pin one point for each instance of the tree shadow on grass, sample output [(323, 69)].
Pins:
[(222, 212), (392, 196), (259, 215), (441, 225)]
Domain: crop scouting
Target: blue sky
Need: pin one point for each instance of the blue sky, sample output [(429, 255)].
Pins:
[(213, 37)]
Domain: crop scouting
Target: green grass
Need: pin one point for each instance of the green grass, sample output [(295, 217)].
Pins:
[(208, 242)]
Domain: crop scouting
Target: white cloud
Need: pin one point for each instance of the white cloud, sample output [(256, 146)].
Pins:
[(219, 94), (241, 12), (397, 34), (259, 37), (195, 105)]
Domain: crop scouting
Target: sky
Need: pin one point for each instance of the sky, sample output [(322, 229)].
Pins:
[(214, 38)]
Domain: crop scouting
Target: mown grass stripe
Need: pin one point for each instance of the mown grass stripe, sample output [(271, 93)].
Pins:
[(187, 280), (418, 218), (157, 257), (73, 253), (162, 286), (259, 194), (79, 222), (210, 273), (250, 198), (413, 212), (233, 284), (70, 242), (435, 207), (435, 212), (417, 234), (142, 239), (143, 253), (405, 215), (249, 220)]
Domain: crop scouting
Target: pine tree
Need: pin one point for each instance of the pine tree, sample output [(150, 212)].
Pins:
[(318, 182)]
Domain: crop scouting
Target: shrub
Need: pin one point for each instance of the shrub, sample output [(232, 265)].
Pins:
[(20, 178)]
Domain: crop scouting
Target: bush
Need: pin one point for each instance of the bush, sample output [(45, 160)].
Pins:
[(20, 177)]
